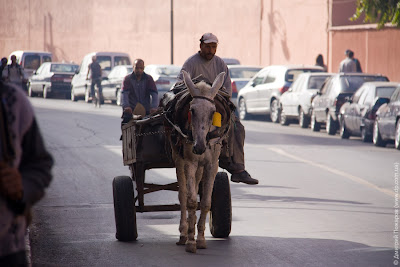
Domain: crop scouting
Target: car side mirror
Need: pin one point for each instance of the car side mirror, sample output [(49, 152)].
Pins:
[(253, 84), (319, 93), (77, 71), (105, 78)]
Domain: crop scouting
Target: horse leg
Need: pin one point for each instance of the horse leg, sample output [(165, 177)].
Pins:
[(205, 203), (192, 207), (182, 195)]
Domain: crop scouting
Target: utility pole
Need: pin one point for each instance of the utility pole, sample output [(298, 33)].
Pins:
[(172, 32)]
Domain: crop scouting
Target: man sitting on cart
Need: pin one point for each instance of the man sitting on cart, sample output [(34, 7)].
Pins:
[(207, 64), (139, 92)]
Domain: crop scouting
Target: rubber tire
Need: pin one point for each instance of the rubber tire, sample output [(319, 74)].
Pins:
[(275, 112), (376, 136), (303, 120), (73, 97), (366, 138), (344, 133), (30, 93), (87, 95), (315, 126), (221, 207), (124, 209), (243, 115), (119, 98), (283, 120), (397, 135), (330, 125)]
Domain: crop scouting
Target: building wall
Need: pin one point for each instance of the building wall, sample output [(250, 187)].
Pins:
[(261, 32), (378, 51)]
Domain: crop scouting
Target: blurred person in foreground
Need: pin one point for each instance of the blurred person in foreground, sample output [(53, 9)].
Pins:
[(139, 93), (208, 65), (14, 73), (25, 172)]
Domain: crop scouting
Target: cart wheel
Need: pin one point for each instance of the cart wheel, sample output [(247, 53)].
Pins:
[(124, 209), (221, 207)]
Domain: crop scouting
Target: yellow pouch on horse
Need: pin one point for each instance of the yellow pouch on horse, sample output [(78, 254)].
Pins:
[(217, 119)]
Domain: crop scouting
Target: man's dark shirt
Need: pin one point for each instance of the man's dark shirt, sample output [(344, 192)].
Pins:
[(95, 69)]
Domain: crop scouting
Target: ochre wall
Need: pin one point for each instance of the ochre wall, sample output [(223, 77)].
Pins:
[(378, 51), (257, 32)]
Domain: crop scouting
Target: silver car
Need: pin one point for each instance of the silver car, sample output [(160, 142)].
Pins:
[(262, 93), (296, 102), (165, 76)]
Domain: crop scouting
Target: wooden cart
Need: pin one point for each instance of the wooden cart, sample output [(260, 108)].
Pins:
[(145, 147)]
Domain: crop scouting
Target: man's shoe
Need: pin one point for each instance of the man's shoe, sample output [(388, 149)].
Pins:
[(243, 177)]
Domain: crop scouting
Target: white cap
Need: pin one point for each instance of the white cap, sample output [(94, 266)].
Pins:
[(209, 38)]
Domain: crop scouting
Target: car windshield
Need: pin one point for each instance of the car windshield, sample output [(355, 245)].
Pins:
[(246, 73), (169, 70), (119, 60), (291, 75), (105, 62), (350, 84), (32, 62), (385, 91), (315, 82), (63, 68)]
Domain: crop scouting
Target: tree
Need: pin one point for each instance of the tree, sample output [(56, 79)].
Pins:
[(379, 11)]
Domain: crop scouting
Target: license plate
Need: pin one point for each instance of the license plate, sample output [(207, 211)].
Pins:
[(67, 80)]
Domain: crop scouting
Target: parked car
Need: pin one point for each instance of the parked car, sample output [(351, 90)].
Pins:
[(240, 76), (357, 116), (112, 84), (165, 76), (296, 102), (107, 60), (262, 93), (387, 122), (231, 61), (335, 92), (52, 78), (31, 60)]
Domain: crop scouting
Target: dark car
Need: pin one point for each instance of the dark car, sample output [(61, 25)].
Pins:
[(52, 78), (357, 116), (387, 122), (334, 93), (112, 84)]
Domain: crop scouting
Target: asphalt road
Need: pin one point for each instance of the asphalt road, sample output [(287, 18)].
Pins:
[(321, 201)]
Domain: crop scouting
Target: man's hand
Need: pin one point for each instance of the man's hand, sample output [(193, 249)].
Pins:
[(128, 110), (10, 182)]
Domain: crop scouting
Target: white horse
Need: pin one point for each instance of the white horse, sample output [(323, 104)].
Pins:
[(197, 161)]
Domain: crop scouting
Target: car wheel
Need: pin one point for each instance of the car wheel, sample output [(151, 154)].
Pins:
[(73, 97), (284, 121), (30, 93), (344, 133), (87, 95), (397, 135), (330, 125), (365, 137), (303, 120), (275, 113), (45, 93), (243, 115), (376, 136), (315, 126), (119, 100)]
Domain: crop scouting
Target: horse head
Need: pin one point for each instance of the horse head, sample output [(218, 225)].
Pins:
[(202, 109)]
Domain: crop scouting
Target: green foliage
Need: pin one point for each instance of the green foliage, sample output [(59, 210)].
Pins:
[(379, 11)]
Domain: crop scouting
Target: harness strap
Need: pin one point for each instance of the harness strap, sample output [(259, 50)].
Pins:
[(203, 97)]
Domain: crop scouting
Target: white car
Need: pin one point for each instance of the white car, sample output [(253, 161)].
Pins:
[(296, 102), (164, 76), (262, 93)]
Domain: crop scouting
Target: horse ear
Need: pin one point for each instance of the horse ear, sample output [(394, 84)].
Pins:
[(217, 84), (189, 83)]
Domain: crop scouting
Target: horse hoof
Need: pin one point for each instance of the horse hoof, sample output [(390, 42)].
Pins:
[(182, 241), (201, 244), (191, 246)]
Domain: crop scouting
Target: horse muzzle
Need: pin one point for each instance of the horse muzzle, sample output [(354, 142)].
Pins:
[(199, 149)]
